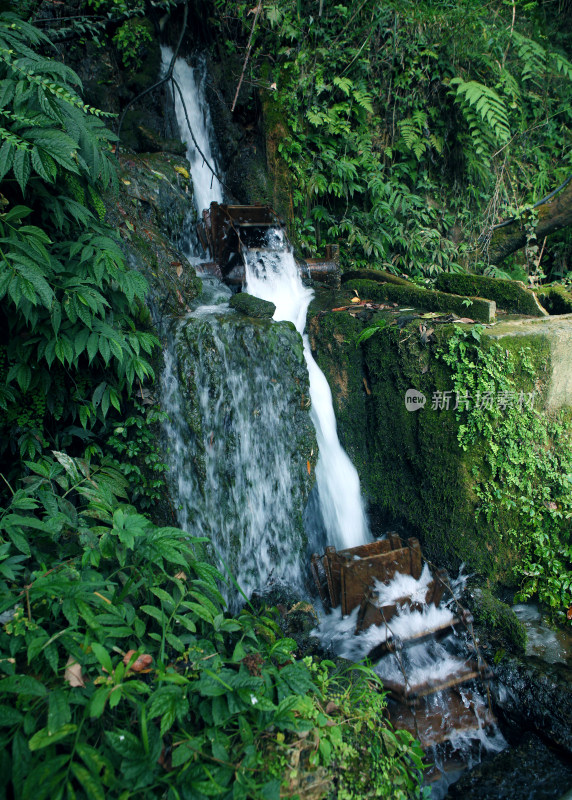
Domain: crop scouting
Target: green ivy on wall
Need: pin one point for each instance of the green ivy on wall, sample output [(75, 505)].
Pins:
[(524, 485)]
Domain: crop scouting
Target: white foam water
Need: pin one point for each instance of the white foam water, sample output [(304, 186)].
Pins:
[(207, 188), (272, 274), (427, 663)]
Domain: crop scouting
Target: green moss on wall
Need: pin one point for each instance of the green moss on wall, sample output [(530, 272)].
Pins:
[(430, 300), (555, 298), (483, 484), (508, 295)]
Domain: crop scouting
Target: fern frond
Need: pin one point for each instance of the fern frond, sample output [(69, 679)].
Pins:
[(488, 105)]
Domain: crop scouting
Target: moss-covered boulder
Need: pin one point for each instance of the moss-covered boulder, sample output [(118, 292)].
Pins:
[(499, 618), (155, 198), (509, 295), (252, 306), (428, 299), (249, 447), (555, 298)]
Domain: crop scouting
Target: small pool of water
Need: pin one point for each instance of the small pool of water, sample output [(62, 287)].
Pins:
[(551, 645)]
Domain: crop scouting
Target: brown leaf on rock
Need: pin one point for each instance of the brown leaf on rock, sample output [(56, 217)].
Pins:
[(332, 708), (73, 674)]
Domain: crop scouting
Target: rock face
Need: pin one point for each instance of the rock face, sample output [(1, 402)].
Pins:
[(249, 444), (554, 335), (155, 199), (252, 306), (533, 694), (528, 771)]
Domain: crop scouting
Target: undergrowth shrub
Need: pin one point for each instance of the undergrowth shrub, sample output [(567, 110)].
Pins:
[(123, 676)]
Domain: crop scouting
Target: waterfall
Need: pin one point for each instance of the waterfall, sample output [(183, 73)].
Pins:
[(239, 435), (272, 274), (206, 186), (233, 389)]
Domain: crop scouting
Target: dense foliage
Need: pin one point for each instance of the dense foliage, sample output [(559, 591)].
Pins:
[(525, 485), (412, 127), (123, 677), (70, 346), (121, 674)]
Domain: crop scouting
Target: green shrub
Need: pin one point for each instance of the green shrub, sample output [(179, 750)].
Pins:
[(124, 677)]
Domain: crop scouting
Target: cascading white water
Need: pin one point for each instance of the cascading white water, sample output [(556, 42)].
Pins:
[(207, 188), (272, 274), (231, 389)]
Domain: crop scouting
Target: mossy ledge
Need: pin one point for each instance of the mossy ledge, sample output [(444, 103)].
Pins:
[(428, 299), (555, 298), (508, 295)]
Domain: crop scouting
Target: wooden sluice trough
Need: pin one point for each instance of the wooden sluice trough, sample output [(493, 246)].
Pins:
[(227, 230), (348, 578)]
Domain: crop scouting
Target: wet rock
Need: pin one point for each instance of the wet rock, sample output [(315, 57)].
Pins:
[(529, 771), (498, 617), (252, 306), (249, 444), (533, 694), (155, 198)]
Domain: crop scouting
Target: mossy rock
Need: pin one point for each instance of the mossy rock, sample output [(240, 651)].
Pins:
[(555, 298), (428, 299), (378, 275), (252, 306), (499, 618), (509, 295)]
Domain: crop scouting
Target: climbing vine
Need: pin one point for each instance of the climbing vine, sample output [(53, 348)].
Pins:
[(524, 484)]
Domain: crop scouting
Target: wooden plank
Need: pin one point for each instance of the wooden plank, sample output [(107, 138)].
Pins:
[(416, 558), (315, 566), (428, 724), (412, 694), (332, 560), (359, 575), (395, 541)]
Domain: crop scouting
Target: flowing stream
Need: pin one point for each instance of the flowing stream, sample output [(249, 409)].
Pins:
[(272, 274), (239, 442)]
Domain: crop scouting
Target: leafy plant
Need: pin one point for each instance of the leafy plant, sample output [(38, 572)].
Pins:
[(525, 486), (68, 300), (402, 124), (123, 676)]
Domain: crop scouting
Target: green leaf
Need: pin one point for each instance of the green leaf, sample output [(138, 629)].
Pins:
[(43, 738), (59, 712), (102, 656), (88, 781)]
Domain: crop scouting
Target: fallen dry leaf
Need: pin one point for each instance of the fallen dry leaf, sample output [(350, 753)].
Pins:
[(182, 171), (179, 271), (72, 674), (309, 467), (140, 663), (181, 576), (355, 300), (367, 389)]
